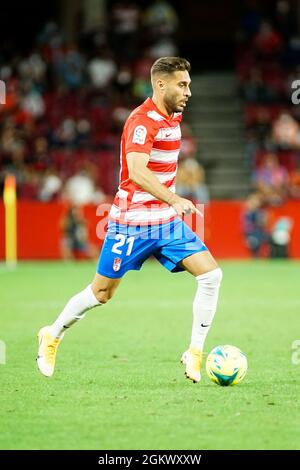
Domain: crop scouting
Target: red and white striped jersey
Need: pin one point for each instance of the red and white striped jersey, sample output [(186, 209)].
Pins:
[(147, 130)]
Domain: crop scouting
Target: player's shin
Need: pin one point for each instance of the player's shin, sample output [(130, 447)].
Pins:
[(204, 306), (74, 311)]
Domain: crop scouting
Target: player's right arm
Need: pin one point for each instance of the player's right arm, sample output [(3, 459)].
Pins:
[(140, 174)]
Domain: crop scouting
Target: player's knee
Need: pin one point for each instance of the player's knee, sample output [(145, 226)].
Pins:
[(103, 295), (211, 278), (216, 276)]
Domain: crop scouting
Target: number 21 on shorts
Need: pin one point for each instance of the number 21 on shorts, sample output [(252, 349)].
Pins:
[(121, 240)]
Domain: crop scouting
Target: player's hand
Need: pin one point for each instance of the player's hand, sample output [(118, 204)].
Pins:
[(183, 206)]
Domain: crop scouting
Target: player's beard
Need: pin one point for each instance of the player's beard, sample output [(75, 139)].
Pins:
[(172, 104)]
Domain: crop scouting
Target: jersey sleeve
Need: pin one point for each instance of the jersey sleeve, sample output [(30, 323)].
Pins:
[(140, 133)]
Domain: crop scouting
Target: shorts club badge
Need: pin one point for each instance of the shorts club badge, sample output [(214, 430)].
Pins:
[(117, 264)]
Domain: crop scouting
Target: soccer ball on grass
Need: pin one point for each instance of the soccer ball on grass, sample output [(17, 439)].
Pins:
[(226, 365)]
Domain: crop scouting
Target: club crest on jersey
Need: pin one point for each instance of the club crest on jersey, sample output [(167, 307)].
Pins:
[(139, 135), (117, 264)]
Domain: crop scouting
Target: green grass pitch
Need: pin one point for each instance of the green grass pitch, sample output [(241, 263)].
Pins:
[(119, 383)]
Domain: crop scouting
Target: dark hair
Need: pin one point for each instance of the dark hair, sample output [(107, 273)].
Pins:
[(169, 65)]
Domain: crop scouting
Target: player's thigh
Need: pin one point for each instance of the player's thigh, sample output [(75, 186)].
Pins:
[(199, 263), (104, 287)]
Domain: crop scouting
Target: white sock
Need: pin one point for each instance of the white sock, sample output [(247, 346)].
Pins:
[(205, 305), (74, 311)]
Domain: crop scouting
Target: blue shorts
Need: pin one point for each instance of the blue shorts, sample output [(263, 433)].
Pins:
[(126, 247)]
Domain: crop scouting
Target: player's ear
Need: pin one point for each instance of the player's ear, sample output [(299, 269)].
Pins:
[(160, 84)]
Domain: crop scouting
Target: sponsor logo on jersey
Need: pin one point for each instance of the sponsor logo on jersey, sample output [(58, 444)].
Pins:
[(117, 264), (139, 135)]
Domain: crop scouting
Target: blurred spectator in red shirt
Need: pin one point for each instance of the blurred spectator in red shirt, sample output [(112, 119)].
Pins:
[(267, 41)]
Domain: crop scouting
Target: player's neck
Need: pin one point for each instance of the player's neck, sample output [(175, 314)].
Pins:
[(161, 107)]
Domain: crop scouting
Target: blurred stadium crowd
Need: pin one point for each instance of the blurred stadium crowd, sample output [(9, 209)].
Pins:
[(268, 67), (66, 105), (268, 64)]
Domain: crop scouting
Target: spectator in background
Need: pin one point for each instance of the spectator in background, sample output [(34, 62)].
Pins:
[(33, 103), (80, 189), (286, 132), (142, 84), (125, 23), (283, 18), (39, 157), (66, 134), (260, 125), (188, 147), (271, 180), (281, 237), (102, 70), (13, 162), (190, 182), (267, 42), (163, 47), (51, 185), (119, 116), (161, 23), (255, 90), (29, 189), (70, 68), (123, 84), (254, 225), (32, 74), (50, 39), (160, 19), (83, 128), (75, 243)]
